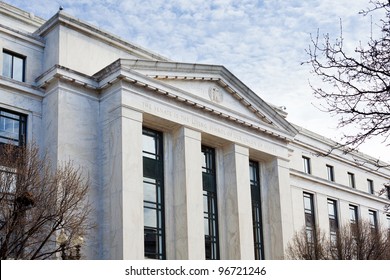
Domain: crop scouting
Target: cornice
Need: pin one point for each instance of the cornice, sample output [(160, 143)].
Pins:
[(187, 71), (61, 18), (371, 163), (21, 87), (334, 185), (104, 80), (21, 15)]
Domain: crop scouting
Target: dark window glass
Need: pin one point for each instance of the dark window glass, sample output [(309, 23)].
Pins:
[(210, 204), (370, 186), (254, 173), (330, 171), (309, 216), (387, 188), (353, 217), (13, 66), (306, 165), (333, 220), (153, 182), (373, 219), (351, 180), (12, 127)]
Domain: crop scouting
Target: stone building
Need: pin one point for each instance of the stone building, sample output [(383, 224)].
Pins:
[(185, 161)]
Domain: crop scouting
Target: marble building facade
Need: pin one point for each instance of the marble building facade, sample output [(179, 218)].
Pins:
[(185, 161)]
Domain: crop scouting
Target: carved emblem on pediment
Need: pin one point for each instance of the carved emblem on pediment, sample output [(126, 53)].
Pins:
[(215, 94)]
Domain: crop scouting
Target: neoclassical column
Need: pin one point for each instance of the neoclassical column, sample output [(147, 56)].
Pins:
[(277, 207), (123, 184), (188, 228), (237, 205)]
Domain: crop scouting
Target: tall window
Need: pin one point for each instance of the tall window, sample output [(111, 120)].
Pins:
[(256, 209), (353, 214), (351, 180), (387, 190), (372, 216), (330, 172), (12, 127), (370, 186), (309, 216), (306, 165), (333, 220), (153, 181), (210, 204), (13, 66)]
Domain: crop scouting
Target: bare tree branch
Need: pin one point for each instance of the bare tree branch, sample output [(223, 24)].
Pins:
[(37, 202)]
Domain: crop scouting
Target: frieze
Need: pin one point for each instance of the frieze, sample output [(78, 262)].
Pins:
[(212, 128)]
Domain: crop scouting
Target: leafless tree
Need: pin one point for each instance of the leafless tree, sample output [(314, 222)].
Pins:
[(37, 203), (301, 247), (360, 241), (359, 81)]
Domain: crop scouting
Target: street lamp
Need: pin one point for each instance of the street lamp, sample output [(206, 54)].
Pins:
[(75, 243)]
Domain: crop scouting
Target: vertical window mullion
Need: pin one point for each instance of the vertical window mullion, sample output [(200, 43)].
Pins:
[(12, 127), (210, 211), (14, 66), (154, 228), (309, 217), (254, 174), (333, 220)]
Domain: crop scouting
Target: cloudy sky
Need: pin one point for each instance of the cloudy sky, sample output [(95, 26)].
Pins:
[(262, 42)]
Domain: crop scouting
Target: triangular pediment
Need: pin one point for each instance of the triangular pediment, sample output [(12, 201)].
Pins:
[(210, 88)]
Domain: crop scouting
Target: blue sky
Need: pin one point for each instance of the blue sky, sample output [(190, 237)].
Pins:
[(261, 42)]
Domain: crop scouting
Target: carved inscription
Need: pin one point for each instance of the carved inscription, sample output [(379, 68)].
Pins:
[(198, 123)]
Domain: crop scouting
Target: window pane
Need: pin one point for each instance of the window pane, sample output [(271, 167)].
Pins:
[(18, 69), (12, 128), (153, 184), (307, 202), (149, 192), (149, 146), (7, 65), (210, 203), (150, 217)]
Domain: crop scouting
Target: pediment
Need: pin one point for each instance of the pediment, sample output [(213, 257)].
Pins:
[(210, 88), (214, 93)]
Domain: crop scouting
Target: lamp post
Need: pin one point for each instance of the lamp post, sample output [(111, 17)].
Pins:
[(62, 239), (75, 243)]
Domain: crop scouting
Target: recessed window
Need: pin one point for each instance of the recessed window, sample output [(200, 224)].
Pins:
[(308, 202), (254, 174), (333, 220), (373, 219), (12, 127), (153, 184), (210, 209), (351, 180), (306, 165), (370, 186), (387, 190), (13, 65), (330, 172), (353, 214)]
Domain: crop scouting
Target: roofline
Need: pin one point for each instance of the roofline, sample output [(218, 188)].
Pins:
[(21, 15), (62, 18), (209, 70), (331, 143)]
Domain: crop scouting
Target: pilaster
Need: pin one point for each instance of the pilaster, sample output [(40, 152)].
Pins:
[(237, 212), (188, 195)]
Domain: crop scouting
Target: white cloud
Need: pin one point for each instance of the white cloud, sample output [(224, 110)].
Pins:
[(261, 42)]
